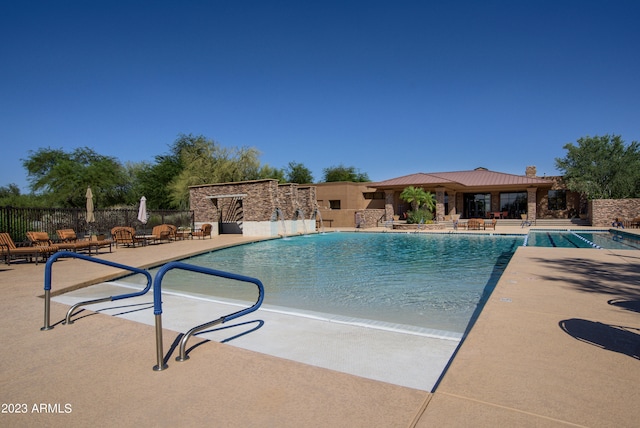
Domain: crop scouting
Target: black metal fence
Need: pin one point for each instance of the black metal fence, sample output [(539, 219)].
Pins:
[(18, 221)]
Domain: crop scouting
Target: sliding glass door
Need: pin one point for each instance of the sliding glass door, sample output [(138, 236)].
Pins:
[(476, 205)]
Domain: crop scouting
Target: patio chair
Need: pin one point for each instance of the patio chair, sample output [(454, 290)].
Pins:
[(173, 232), (475, 224), (8, 250), (69, 236), (459, 224), (205, 230), (42, 239), (491, 224), (525, 220), (163, 232), (124, 235)]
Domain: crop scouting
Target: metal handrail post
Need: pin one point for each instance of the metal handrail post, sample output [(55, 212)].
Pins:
[(159, 349), (47, 291), (47, 310), (183, 342)]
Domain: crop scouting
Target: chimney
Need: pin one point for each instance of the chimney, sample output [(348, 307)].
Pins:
[(530, 171)]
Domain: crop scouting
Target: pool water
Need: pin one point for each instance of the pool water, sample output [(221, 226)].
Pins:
[(424, 280), (579, 239)]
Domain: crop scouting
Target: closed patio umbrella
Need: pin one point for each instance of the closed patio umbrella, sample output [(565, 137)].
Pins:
[(142, 211), (90, 215)]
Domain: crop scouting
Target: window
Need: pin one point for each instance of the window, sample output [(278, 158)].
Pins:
[(334, 205), (373, 195), (514, 204), (557, 200)]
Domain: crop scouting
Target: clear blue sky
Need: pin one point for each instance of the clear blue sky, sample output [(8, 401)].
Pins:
[(391, 88)]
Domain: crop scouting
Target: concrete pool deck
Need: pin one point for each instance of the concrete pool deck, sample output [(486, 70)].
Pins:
[(556, 345)]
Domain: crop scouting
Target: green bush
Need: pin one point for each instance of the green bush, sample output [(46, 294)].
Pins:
[(420, 215)]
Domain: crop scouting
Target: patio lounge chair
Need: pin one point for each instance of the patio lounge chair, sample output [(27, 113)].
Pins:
[(69, 236), (205, 230), (491, 224), (124, 235), (42, 239), (8, 250)]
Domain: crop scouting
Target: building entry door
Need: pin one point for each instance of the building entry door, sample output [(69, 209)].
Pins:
[(476, 205)]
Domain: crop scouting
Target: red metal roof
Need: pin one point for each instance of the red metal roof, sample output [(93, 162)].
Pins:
[(473, 178)]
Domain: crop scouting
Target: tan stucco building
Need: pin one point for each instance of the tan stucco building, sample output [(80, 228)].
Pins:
[(475, 193), (264, 207)]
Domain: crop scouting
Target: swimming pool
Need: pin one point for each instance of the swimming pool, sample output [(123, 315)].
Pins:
[(611, 240), (426, 280)]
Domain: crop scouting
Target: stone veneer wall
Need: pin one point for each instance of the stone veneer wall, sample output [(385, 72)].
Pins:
[(286, 199), (371, 217), (603, 211), (291, 198), (259, 200), (573, 201), (308, 200)]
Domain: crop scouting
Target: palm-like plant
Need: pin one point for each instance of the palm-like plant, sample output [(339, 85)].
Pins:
[(418, 197)]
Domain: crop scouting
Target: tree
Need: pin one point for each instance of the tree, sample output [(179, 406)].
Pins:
[(62, 178), (298, 173), (602, 167), (201, 161), (344, 173), (204, 161), (11, 190), (418, 197), (268, 172), (153, 180)]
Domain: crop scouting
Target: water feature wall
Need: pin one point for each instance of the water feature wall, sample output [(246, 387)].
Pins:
[(258, 200)]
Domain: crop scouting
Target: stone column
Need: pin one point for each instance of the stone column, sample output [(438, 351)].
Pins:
[(388, 204), (495, 201), (532, 203), (440, 204), (453, 203)]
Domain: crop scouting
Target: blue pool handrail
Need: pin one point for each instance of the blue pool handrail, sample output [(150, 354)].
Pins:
[(48, 276), (157, 306)]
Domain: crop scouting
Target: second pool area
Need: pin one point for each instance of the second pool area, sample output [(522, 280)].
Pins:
[(599, 239)]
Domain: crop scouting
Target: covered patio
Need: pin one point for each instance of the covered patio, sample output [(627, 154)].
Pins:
[(478, 193)]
